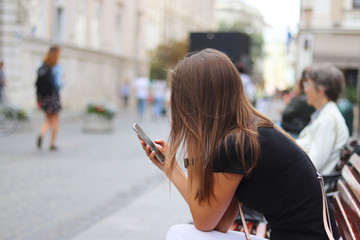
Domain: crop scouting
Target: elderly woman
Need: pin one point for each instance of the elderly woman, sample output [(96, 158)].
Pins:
[(326, 133)]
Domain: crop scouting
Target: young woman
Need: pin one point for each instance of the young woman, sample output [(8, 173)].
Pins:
[(50, 102), (234, 153)]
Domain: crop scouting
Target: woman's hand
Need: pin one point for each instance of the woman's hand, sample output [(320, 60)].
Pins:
[(161, 146)]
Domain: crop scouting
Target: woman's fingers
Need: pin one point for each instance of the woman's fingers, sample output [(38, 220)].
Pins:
[(148, 150), (160, 142), (162, 145), (142, 143), (152, 156)]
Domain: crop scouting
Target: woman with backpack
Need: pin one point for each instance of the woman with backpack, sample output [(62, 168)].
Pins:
[(48, 85)]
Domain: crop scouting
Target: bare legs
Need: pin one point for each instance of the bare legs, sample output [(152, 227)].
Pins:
[(51, 121)]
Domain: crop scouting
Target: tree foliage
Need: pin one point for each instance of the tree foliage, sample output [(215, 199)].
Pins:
[(165, 56)]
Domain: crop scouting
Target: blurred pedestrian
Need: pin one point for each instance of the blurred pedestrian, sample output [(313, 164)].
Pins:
[(125, 93), (249, 87), (142, 85), (347, 110), (326, 134), (2, 82), (49, 83), (261, 98), (234, 153), (158, 91), (297, 112)]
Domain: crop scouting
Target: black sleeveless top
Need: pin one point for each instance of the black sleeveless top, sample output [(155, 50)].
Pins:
[(283, 186)]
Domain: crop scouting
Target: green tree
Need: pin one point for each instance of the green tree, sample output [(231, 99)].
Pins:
[(165, 56)]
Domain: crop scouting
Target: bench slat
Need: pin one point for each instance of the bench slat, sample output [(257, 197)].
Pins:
[(345, 227), (355, 161), (351, 206), (352, 181), (250, 226), (234, 226), (261, 230)]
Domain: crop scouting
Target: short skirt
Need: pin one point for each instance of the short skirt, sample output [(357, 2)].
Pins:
[(50, 104)]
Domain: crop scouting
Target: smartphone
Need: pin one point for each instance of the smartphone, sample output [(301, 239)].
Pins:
[(149, 142)]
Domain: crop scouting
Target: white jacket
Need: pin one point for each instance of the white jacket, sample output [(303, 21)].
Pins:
[(323, 138)]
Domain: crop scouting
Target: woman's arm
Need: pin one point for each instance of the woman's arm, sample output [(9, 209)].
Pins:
[(229, 217), (57, 76), (217, 213)]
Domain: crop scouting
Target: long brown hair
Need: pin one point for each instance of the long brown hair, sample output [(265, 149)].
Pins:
[(52, 56), (208, 104)]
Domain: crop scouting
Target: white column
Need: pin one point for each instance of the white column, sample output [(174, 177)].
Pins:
[(10, 39)]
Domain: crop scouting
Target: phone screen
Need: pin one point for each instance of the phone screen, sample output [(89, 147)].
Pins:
[(149, 142)]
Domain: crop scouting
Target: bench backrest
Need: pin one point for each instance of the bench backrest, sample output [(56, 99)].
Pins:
[(347, 201), (353, 179)]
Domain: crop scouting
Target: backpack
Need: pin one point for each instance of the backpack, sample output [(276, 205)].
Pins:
[(44, 82)]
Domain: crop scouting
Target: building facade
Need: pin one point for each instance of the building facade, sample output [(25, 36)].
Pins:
[(103, 42), (330, 33), (236, 14), (174, 19)]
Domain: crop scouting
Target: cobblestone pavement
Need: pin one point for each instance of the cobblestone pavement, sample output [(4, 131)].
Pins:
[(57, 195)]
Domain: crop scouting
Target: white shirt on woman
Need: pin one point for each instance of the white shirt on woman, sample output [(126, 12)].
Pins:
[(323, 138)]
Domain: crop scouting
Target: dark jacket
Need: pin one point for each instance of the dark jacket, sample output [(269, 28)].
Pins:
[(296, 114)]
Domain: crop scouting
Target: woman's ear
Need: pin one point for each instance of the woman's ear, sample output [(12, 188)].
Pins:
[(321, 90)]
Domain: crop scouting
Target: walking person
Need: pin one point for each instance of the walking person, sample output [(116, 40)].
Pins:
[(125, 93), (158, 91), (249, 88), (142, 85), (2, 82), (49, 83), (234, 153)]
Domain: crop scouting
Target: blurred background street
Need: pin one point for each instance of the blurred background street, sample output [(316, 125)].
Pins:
[(99, 184)]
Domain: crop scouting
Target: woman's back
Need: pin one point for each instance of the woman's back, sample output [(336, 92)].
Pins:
[(283, 186)]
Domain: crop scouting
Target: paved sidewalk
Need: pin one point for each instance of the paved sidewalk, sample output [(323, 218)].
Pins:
[(148, 217), (88, 189)]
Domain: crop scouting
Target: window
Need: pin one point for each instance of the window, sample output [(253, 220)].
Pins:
[(80, 24), (59, 24), (351, 76), (356, 3), (96, 24), (36, 18), (118, 32)]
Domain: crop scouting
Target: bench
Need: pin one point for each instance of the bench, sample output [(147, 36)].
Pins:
[(259, 229), (255, 223), (331, 180), (347, 200)]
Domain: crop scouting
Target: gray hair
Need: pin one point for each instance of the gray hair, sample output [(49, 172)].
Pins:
[(329, 77)]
